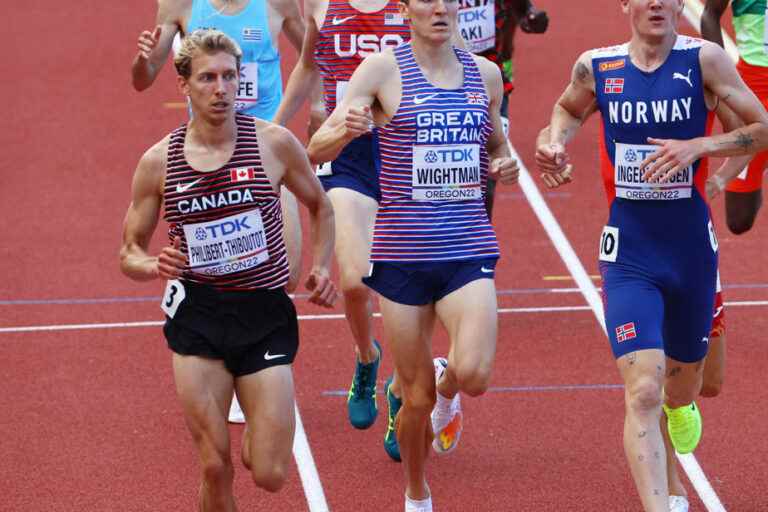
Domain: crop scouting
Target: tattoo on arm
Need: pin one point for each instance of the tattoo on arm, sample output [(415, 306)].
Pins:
[(743, 141), (674, 371), (582, 72)]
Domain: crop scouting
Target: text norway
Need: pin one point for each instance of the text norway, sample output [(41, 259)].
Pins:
[(637, 112)]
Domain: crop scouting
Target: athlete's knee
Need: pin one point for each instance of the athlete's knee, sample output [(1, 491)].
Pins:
[(473, 379), (419, 401), (270, 476), (644, 394), (217, 470)]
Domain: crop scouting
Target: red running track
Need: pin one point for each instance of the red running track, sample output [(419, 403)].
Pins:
[(90, 419)]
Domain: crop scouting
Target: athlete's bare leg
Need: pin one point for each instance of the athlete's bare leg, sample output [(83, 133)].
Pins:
[(674, 483), (268, 401), (741, 209), (409, 331), (472, 331), (714, 367), (643, 375), (204, 387), (355, 214)]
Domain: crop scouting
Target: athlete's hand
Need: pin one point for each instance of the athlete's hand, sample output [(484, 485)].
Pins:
[(359, 121), (552, 158), (714, 185), (147, 42), (504, 170), (557, 179), (171, 261), (672, 157), (322, 288)]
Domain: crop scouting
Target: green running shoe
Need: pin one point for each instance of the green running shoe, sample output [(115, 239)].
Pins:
[(361, 400), (684, 427), (390, 438)]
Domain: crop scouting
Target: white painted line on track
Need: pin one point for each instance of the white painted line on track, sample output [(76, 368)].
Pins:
[(331, 316), (310, 479), (588, 289)]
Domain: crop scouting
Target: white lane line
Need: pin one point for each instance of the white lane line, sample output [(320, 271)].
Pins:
[(693, 11), (332, 316), (564, 248), (310, 479)]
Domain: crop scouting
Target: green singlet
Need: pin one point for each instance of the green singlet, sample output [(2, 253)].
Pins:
[(751, 33)]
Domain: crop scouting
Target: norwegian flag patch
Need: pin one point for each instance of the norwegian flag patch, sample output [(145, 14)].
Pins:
[(626, 332), (614, 86)]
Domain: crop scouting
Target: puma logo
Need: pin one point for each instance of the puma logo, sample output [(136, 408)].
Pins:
[(680, 76)]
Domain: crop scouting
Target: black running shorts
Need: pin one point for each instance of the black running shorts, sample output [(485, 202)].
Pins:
[(249, 330)]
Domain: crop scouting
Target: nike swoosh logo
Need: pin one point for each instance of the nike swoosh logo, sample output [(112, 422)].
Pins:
[(418, 100), (269, 356), (486, 270), (180, 189), (339, 21)]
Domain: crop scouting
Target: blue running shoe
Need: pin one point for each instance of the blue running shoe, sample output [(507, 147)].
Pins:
[(390, 438), (361, 401)]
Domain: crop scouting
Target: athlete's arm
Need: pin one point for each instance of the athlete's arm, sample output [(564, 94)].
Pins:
[(154, 46), (710, 20), (722, 80), (302, 182), (733, 165), (141, 220), (503, 167), (293, 24), (352, 117), (575, 104), (305, 76)]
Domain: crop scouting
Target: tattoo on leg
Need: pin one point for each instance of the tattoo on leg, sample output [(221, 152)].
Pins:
[(659, 371), (642, 434), (657, 455), (674, 371), (655, 492), (632, 358), (641, 458)]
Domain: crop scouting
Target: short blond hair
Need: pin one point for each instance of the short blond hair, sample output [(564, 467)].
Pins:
[(208, 41)]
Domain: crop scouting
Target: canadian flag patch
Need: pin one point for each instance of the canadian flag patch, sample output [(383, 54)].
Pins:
[(242, 174)]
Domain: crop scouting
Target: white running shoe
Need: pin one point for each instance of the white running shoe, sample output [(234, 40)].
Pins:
[(235, 411), (678, 504), (424, 505), (446, 416)]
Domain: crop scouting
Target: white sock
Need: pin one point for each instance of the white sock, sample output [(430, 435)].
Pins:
[(418, 505)]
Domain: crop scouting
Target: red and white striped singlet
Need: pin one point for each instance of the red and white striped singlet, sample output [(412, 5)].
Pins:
[(229, 220)]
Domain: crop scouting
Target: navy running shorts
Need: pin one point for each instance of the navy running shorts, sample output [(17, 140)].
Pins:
[(356, 168), (420, 283), (672, 313), (249, 330)]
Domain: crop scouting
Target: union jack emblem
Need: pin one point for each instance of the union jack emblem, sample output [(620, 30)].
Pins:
[(475, 98), (614, 86), (626, 332)]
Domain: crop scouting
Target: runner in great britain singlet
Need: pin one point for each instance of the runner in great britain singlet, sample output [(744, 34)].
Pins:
[(261, 86), (658, 251), (345, 39)]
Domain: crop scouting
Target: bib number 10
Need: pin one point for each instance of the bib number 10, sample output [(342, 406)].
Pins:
[(609, 244)]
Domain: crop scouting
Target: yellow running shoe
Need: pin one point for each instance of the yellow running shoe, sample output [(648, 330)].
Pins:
[(684, 427)]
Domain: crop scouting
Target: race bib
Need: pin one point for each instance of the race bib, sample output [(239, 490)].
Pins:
[(478, 27), (628, 176), (609, 244), (713, 241), (173, 297), (248, 92), (446, 173), (227, 245), (341, 89)]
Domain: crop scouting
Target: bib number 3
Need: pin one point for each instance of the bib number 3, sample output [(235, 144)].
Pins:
[(173, 297), (609, 244)]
